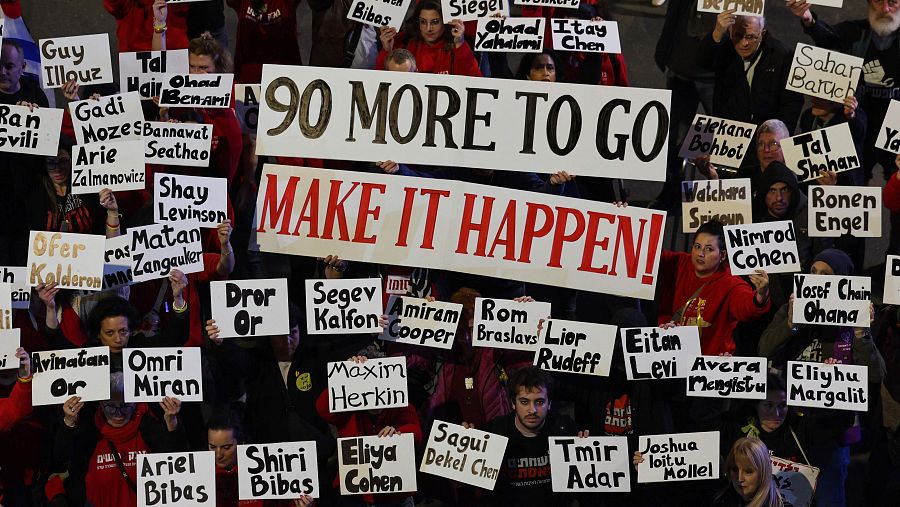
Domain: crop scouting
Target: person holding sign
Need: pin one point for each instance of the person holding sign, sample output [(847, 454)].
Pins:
[(750, 478), (699, 290), (438, 48), (18, 405), (136, 24), (100, 444)]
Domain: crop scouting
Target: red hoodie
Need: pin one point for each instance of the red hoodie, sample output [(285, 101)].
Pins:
[(134, 24), (723, 301), (17, 406), (891, 194), (460, 61), (104, 484)]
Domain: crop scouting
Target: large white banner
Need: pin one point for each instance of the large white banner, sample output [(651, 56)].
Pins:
[(889, 135), (838, 210), (822, 73), (478, 229), (112, 118), (458, 121), (84, 58), (27, 132), (827, 149)]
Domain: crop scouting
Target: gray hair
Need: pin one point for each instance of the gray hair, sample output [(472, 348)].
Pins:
[(775, 127), (740, 20), (399, 57)]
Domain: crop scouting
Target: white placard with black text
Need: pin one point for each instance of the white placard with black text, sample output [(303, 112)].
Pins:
[(770, 246), (417, 321), (144, 71), (84, 58), (834, 386), (575, 347), (728, 377), (182, 479), (209, 91), (511, 35), (657, 353), (284, 470), (61, 374), (371, 385), (182, 144), (678, 457), (158, 249), (152, 373), (508, 324), (72, 261), (112, 118), (469, 456), (247, 308), (588, 36), (838, 210), (832, 300), (728, 201), (118, 166), (351, 305), (593, 464), (822, 73)]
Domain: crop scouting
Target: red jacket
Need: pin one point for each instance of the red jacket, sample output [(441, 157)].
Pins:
[(16, 407), (722, 302), (259, 32), (460, 61), (134, 24), (891, 194)]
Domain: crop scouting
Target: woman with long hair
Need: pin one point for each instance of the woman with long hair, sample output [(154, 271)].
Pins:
[(750, 479)]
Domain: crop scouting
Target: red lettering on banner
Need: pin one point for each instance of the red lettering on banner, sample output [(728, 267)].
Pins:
[(365, 211), (310, 211), (531, 232), (507, 226), (403, 233), (559, 235), (277, 214), (434, 199), (335, 210), (656, 225), (591, 243), (466, 225)]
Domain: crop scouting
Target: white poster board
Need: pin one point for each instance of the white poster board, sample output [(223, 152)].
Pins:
[(117, 262), (889, 135), (379, 13), (144, 71), (657, 353), (678, 457), (469, 456), (182, 144), (72, 261), (464, 10), (112, 118), (27, 132), (891, 281), (61, 374), (351, 305), (724, 141), (834, 386), (84, 58), (838, 210), (20, 291), (822, 73), (594, 464), (179, 198), (728, 201), (118, 166), (285, 470), (153, 373), (9, 343), (512, 35), (372, 385), (827, 149), (728, 377), (209, 91), (796, 482), (575, 347), (741, 7), (562, 4), (770, 246), (183, 479), (377, 464), (570, 34), (832, 300), (158, 249), (246, 106), (245, 308), (507, 324), (417, 321)]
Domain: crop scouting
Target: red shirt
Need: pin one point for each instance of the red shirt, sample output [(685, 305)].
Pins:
[(134, 24), (259, 31), (891, 194), (105, 486), (437, 59)]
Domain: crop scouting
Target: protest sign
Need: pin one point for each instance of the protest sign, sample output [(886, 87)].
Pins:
[(678, 457), (184, 144), (513, 125), (741, 7), (517, 35), (770, 246), (891, 281), (827, 149), (570, 34), (284, 470), (836, 386), (27, 132), (417, 321), (506, 324), (467, 10), (728, 201), (5, 306), (118, 166), (61, 374), (503, 233), (889, 135), (153, 373), (377, 464), (728, 377), (796, 482), (9, 343), (212, 91), (837, 210), (832, 300), (158, 249), (372, 385), (350, 305), (250, 307), (112, 118), (72, 261), (575, 347), (20, 291), (826, 3), (144, 71), (822, 73), (397, 284), (465, 455), (177, 198), (595, 464), (561, 4), (84, 58), (724, 141), (184, 479), (379, 13), (117, 262), (246, 106), (657, 353)]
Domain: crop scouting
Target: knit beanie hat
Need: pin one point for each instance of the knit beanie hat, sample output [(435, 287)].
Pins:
[(838, 260)]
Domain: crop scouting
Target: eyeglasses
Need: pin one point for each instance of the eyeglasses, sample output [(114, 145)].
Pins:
[(117, 409), (430, 22), (56, 164), (770, 146), (749, 37)]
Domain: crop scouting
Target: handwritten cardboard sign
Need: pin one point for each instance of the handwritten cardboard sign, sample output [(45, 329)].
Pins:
[(112, 118), (724, 141), (285, 470), (570, 34), (250, 307), (343, 306), (377, 465), (201, 199), (728, 377), (144, 71), (832, 300), (182, 144), (575, 347), (464, 10), (656, 353), (6, 314), (837, 210), (72, 261), (822, 73), (372, 385), (889, 135), (891, 280), (770, 246), (507, 324), (679, 457), (211, 91), (61, 374), (741, 7), (185, 479), (246, 106), (728, 201), (27, 132), (154, 373), (515, 35), (837, 386), (827, 149), (465, 455), (118, 166), (9, 343), (20, 291), (796, 482), (595, 464), (379, 13), (158, 249), (84, 58), (417, 321)]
